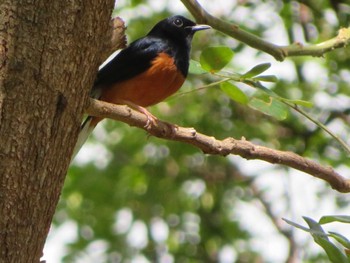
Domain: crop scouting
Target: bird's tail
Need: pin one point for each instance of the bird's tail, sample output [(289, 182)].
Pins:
[(86, 129)]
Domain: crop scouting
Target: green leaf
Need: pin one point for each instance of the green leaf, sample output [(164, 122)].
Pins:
[(297, 225), (315, 227), (334, 253), (258, 69), (273, 108), (313, 230), (215, 58), (261, 87), (135, 2), (329, 219), (303, 103), (234, 93), (266, 78), (269, 92), (341, 239), (196, 68)]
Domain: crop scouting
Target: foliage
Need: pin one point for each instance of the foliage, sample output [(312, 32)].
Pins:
[(206, 207), (335, 254)]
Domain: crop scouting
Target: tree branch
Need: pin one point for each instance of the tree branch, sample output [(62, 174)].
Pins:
[(211, 145), (278, 52)]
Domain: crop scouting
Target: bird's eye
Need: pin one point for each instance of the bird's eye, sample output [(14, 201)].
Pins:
[(178, 22)]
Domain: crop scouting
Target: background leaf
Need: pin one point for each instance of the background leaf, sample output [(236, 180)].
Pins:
[(297, 225), (303, 103), (256, 70), (335, 218), (333, 253), (273, 107), (315, 227), (215, 58), (266, 78), (341, 239), (234, 93), (196, 68)]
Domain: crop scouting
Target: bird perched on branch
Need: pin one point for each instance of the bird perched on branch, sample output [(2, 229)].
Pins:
[(145, 73)]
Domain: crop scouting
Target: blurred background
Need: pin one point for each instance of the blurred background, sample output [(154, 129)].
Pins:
[(130, 197)]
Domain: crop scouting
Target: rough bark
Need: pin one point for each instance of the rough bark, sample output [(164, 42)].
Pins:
[(49, 53)]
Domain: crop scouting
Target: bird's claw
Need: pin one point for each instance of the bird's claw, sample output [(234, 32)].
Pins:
[(151, 120)]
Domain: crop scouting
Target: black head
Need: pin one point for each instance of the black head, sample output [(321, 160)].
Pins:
[(176, 27), (177, 33)]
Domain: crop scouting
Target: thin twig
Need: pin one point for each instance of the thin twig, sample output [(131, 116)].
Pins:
[(278, 52), (284, 101), (211, 145), (319, 124)]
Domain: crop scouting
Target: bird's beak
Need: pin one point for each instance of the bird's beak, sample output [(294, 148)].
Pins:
[(199, 27)]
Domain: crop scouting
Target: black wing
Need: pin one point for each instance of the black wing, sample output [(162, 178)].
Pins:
[(131, 61)]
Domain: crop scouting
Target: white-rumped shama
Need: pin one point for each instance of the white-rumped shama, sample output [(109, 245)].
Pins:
[(148, 71)]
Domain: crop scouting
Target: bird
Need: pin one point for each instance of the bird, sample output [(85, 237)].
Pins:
[(146, 72)]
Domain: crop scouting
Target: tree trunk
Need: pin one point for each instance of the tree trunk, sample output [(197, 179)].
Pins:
[(49, 53)]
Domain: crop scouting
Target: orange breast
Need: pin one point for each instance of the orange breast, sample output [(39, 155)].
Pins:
[(160, 81)]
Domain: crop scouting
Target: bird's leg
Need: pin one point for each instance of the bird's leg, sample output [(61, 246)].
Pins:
[(150, 117)]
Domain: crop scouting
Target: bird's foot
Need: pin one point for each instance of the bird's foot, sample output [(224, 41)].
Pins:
[(151, 119)]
